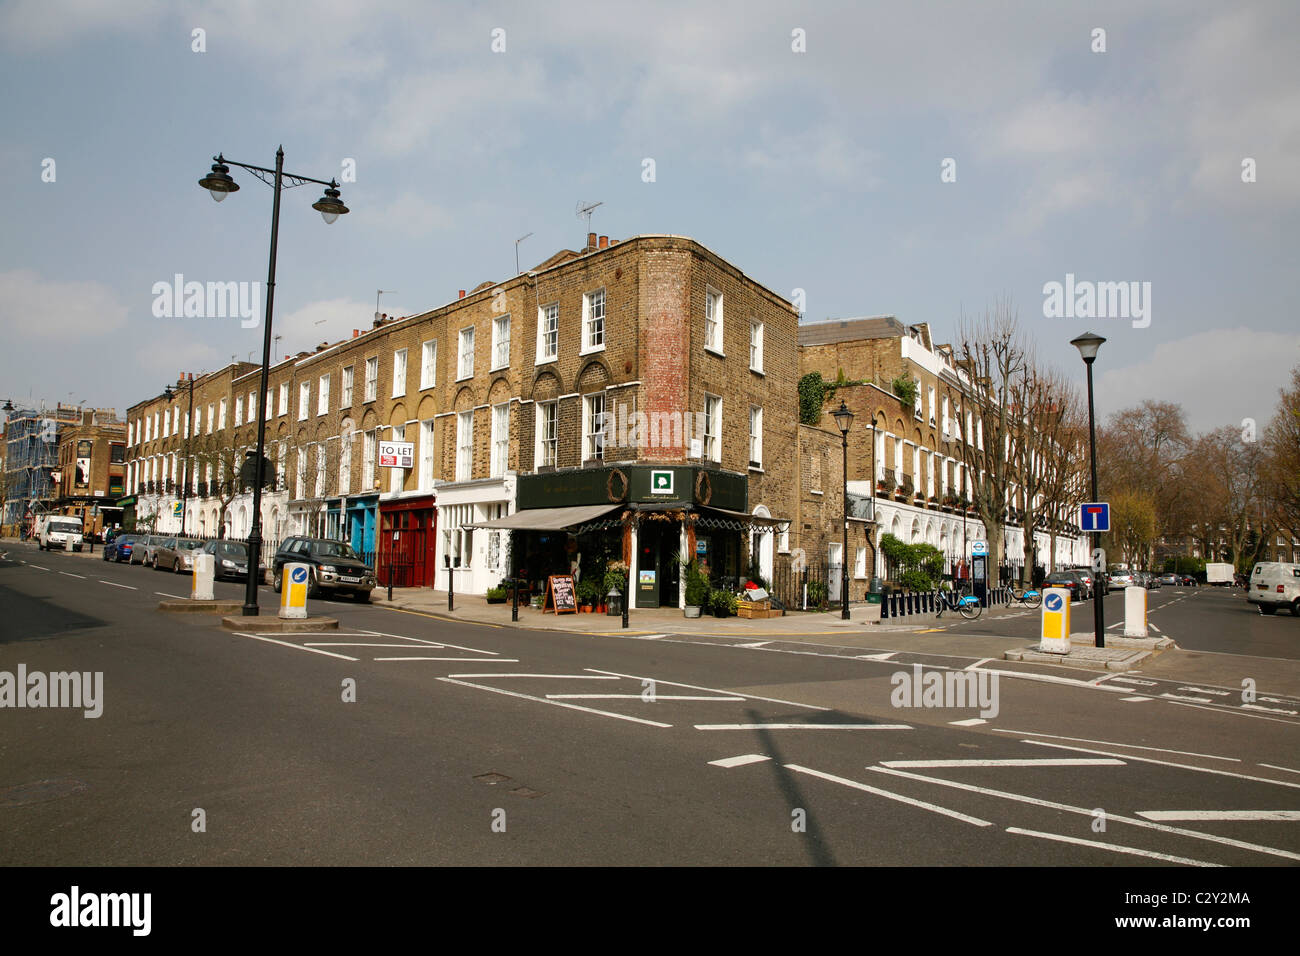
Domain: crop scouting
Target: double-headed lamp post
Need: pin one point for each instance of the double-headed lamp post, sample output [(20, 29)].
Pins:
[(1088, 344), (185, 464), (219, 184), (844, 419)]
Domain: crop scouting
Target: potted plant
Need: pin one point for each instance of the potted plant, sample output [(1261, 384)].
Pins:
[(589, 594), (497, 595), (697, 589), (817, 594), (722, 603)]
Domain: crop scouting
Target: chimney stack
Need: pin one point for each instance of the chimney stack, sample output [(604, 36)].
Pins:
[(604, 242), (591, 241), (355, 333), (460, 294)]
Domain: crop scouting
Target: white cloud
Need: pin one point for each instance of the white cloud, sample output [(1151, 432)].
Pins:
[(1219, 377), (35, 309)]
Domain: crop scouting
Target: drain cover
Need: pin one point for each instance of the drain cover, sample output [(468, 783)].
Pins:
[(38, 792), (492, 779)]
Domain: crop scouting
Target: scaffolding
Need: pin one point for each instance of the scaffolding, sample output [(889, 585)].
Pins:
[(31, 453)]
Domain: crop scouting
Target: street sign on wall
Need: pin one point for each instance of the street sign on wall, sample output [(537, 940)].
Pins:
[(397, 454)]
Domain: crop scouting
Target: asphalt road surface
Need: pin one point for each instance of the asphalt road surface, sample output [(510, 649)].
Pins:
[(479, 745)]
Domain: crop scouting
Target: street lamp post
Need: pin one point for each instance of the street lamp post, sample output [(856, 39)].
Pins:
[(185, 465), (844, 419), (1088, 344), (219, 183)]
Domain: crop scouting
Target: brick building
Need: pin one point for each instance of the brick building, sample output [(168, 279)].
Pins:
[(92, 469)]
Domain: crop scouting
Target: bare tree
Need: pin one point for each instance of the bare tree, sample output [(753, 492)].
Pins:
[(219, 463), (1282, 459), (993, 354), (1233, 485), (1046, 455)]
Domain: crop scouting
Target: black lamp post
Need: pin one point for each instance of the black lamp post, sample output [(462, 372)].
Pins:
[(219, 184), (185, 465), (844, 419), (1088, 344)]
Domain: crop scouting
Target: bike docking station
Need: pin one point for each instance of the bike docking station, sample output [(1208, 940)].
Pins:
[(295, 584), (202, 600)]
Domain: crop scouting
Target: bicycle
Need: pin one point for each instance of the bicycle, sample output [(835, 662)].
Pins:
[(967, 605), (1029, 597)]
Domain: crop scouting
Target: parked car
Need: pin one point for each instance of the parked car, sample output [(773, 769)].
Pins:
[(176, 554), (1088, 579), (1274, 585), (1068, 579), (334, 567), (119, 549), (1171, 579), (229, 558), (1152, 581), (1120, 579), (1189, 581), (147, 547)]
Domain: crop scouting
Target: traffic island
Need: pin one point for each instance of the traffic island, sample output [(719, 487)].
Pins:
[(190, 606), (279, 625), (1119, 654)]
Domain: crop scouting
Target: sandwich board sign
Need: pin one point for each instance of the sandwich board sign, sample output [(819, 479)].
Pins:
[(397, 454)]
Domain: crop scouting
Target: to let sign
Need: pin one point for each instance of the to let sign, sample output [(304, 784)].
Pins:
[(397, 454)]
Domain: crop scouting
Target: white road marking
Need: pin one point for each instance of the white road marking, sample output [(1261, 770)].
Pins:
[(1168, 763), (1133, 680), (933, 808), (71, 575), (112, 585), (968, 722), (463, 660), (651, 700), (977, 664), (714, 690), (1271, 710), (1014, 762), (420, 640), (644, 637), (1194, 700), (755, 644), (876, 657), (1113, 743), (296, 647), (554, 703), (1277, 700), (566, 676), (1154, 628), (1225, 709), (1220, 814), (179, 597), (1275, 767), (1085, 811), (1206, 690), (802, 727), (1134, 700), (1113, 847), (37, 567), (729, 762), (362, 644)]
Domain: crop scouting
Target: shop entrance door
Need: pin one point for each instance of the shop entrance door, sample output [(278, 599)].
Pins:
[(657, 573)]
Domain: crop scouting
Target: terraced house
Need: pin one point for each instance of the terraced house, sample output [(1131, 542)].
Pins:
[(632, 400)]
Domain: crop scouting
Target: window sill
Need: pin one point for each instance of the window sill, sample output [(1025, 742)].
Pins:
[(464, 378), (758, 371), (547, 361), (499, 368), (712, 351), (756, 468), (592, 351), (812, 492)]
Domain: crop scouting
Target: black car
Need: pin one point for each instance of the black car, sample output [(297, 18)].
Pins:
[(334, 567), (1068, 579), (229, 558)]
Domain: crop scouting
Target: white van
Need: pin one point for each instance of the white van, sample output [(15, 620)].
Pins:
[(62, 532), (1274, 585)]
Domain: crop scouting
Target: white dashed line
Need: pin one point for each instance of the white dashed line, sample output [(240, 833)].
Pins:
[(933, 808), (1112, 743), (1168, 763), (1113, 847), (554, 703), (729, 762), (648, 700), (125, 587), (462, 660), (1133, 700), (71, 575), (968, 722), (1013, 762), (802, 727), (1187, 815)]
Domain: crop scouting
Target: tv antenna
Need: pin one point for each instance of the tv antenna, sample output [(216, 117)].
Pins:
[(586, 209), (378, 293), (517, 241)]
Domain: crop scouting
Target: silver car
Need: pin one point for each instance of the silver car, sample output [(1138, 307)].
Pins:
[(145, 551), (177, 555)]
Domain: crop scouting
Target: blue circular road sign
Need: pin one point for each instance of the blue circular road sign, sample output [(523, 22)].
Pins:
[(1053, 602), (299, 575)]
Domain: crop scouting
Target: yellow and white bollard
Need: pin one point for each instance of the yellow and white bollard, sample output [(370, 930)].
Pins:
[(1135, 611), (1055, 635), (293, 591), (204, 565)]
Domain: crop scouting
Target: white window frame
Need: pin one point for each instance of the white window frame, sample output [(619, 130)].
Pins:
[(304, 400), (595, 430), (713, 427), (369, 459), (756, 330), (320, 471), (500, 439), (345, 461), (284, 398), (345, 387), (500, 342), (429, 364), (593, 325), (755, 436), (221, 423), (426, 454), (465, 445), (372, 378), (399, 373), (547, 314), (211, 416), (465, 356), (239, 410), (860, 563), (323, 399), (547, 435), (397, 476), (714, 311)]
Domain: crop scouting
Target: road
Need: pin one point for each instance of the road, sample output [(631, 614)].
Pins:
[(478, 745)]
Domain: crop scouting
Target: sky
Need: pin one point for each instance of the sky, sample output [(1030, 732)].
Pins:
[(923, 160)]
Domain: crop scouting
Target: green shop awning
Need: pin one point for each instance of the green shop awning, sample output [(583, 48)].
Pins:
[(549, 519)]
